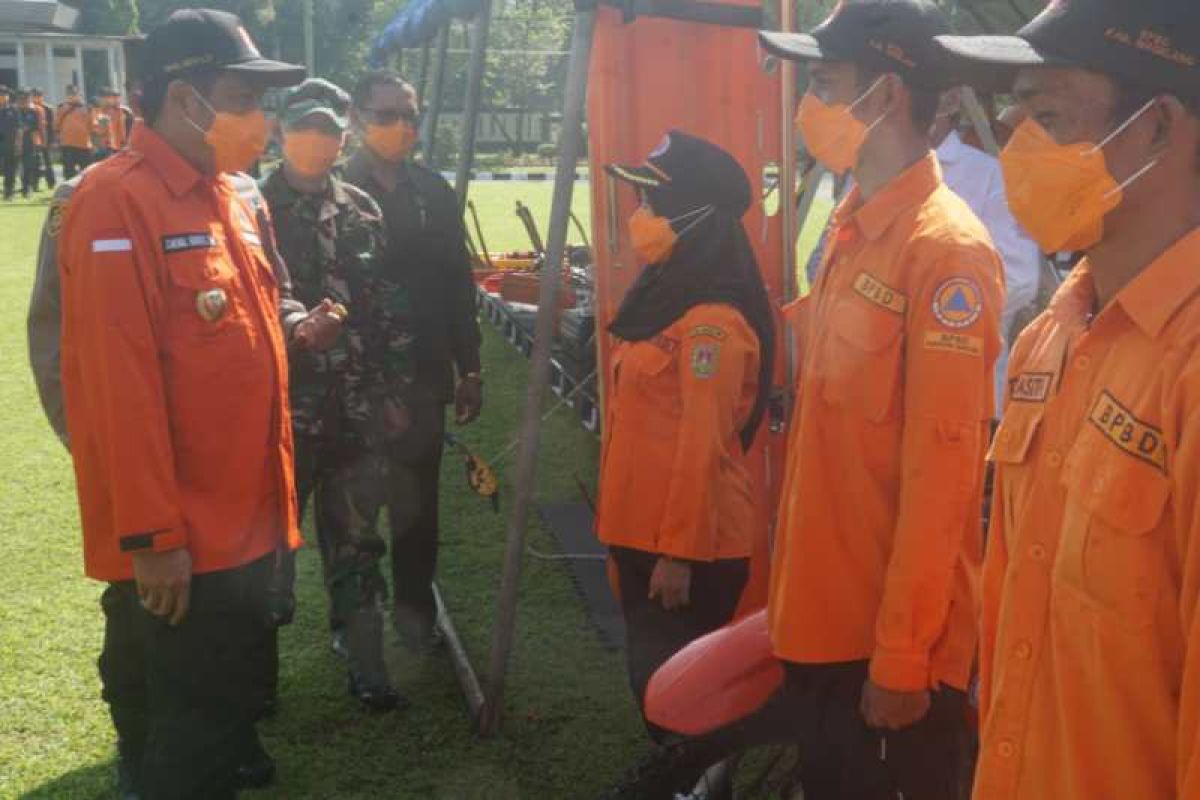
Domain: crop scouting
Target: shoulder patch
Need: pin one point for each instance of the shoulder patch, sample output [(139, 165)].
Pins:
[(958, 302), (879, 293), (1031, 387), (1136, 438), (54, 220), (954, 343), (705, 358), (711, 331)]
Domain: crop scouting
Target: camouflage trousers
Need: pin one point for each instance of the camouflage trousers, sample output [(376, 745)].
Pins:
[(346, 485)]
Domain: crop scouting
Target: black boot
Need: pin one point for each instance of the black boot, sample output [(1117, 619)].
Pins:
[(369, 681), (257, 768)]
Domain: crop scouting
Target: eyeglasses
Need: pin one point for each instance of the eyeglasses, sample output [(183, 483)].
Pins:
[(390, 116)]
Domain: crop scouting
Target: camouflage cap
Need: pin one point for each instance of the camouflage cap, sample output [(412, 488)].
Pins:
[(317, 97)]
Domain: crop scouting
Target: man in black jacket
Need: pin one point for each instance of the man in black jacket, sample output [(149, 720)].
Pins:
[(427, 252)]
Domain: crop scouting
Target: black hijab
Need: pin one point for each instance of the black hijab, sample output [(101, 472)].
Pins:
[(712, 262)]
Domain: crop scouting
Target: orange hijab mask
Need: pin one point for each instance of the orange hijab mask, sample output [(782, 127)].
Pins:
[(653, 237)]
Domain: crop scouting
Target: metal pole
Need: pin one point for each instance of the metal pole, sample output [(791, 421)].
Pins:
[(79, 76), (458, 657), (310, 50), (429, 135), (470, 119), (423, 74), (569, 146)]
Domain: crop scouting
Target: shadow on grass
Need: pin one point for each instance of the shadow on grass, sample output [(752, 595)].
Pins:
[(94, 782)]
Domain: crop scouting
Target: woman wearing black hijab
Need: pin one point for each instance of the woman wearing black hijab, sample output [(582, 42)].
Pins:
[(690, 379)]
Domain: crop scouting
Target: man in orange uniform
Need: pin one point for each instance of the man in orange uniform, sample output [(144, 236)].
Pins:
[(874, 573), (878, 538), (1090, 680), (175, 382), (73, 124)]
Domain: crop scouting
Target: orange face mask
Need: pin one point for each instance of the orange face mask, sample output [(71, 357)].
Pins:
[(237, 140), (311, 153), (1060, 193), (391, 142), (653, 238), (831, 133)]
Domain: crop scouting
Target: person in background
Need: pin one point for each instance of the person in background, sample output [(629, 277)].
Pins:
[(975, 176), (10, 126), (73, 124), (350, 400), (174, 377), (690, 380), (113, 124), (44, 165), (102, 138), (1090, 651), (427, 253), (24, 150)]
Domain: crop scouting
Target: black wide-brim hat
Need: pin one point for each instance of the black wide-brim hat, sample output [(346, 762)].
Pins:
[(203, 38), (1154, 44), (696, 168), (886, 35)]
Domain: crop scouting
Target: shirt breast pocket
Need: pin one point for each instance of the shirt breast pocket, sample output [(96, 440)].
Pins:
[(1113, 556), (205, 301), (652, 367), (862, 358)]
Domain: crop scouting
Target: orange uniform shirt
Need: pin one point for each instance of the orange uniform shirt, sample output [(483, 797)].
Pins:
[(42, 134), (878, 538), (673, 478), (74, 124), (174, 367), (1091, 688)]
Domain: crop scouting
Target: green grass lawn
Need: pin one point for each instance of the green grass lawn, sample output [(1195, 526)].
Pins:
[(570, 724)]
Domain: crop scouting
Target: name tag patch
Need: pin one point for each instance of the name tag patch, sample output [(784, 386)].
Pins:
[(1031, 387), (1138, 439), (711, 331), (954, 343), (880, 293), (180, 242)]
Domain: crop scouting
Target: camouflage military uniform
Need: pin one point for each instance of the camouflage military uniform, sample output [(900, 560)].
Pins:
[(331, 243)]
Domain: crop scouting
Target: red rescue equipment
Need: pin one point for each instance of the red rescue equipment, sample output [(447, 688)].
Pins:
[(716, 680)]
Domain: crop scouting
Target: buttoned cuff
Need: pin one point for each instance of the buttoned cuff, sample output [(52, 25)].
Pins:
[(160, 541), (900, 672)]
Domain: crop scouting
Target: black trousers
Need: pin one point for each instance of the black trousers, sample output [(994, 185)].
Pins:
[(43, 167), (841, 758), (12, 164), (653, 634), (75, 160), (412, 487), (184, 699)]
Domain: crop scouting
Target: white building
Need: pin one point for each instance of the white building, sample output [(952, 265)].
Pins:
[(39, 48)]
